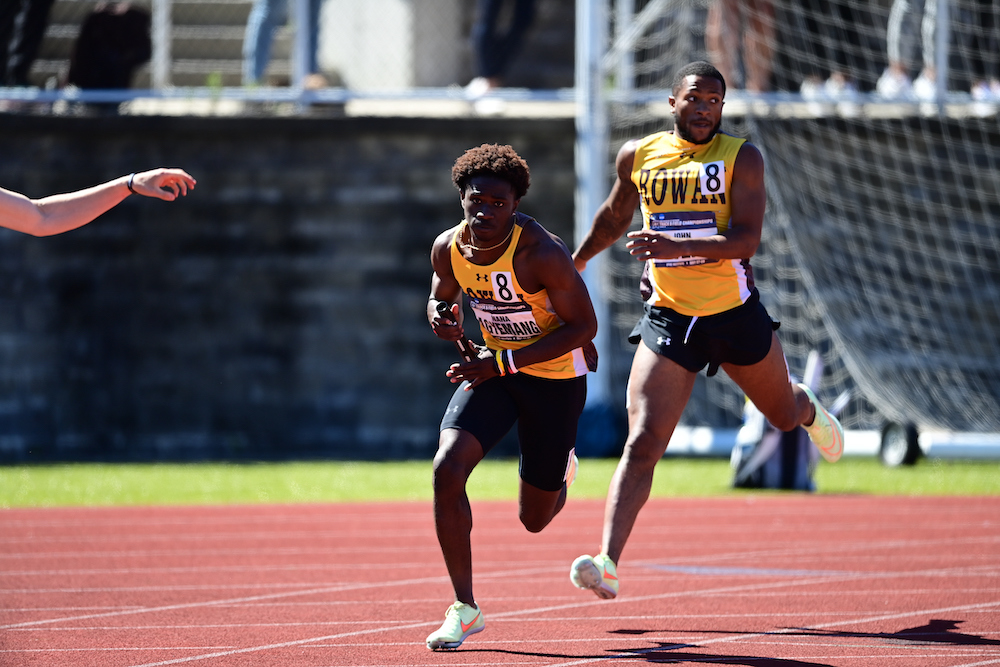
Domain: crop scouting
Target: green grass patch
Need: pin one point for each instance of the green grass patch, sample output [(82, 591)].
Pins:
[(324, 482)]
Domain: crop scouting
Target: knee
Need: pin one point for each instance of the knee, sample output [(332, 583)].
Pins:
[(537, 507), (785, 418), (453, 463), (644, 450), (784, 423), (447, 474), (533, 522)]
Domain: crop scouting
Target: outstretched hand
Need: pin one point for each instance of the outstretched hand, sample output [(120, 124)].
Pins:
[(474, 372), (166, 184), (648, 244)]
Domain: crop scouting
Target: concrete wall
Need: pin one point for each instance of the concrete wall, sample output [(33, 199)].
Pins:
[(420, 43), (277, 311)]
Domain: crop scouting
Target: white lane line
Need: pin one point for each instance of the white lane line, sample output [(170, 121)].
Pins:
[(315, 590), (213, 603), (112, 649), (121, 571), (498, 576), (239, 516), (755, 635), (184, 553), (538, 610), (288, 644), (672, 564)]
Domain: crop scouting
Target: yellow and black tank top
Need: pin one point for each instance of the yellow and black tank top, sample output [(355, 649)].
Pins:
[(684, 190), (510, 317)]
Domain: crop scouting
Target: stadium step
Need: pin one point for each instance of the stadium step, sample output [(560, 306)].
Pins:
[(206, 44)]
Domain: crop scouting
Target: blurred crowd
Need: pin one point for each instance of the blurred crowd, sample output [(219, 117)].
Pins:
[(744, 39)]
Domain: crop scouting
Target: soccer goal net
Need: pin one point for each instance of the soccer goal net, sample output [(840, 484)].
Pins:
[(879, 128)]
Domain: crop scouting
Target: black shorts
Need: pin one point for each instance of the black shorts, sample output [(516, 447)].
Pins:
[(741, 336), (546, 411)]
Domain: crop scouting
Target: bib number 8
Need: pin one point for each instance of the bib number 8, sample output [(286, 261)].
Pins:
[(713, 177), (502, 289)]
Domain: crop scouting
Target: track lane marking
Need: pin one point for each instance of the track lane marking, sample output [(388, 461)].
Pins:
[(589, 603)]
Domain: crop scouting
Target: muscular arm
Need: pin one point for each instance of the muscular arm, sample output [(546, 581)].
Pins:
[(743, 236), (614, 216), (444, 287), (553, 268), (61, 213)]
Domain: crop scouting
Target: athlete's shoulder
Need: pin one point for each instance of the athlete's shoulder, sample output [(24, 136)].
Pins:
[(542, 259), (654, 137), (738, 149), (729, 137), (537, 239), (443, 241), (749, 155), (447, 235)]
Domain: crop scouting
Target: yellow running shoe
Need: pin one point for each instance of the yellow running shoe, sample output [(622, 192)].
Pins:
[(597, 574), (460, 621), (825, 431)]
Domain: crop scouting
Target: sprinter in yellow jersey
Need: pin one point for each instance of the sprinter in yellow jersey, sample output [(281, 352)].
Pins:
[(702, 199), (536, 319)]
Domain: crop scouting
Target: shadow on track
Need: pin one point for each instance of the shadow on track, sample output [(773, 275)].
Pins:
[(936, 631)]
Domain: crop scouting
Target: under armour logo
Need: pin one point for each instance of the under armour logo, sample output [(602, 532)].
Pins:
[(663, 341), (482, 277)]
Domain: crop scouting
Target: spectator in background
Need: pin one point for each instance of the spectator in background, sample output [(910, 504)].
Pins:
[(833, 40), (262, 24), (901, 40), (984, 43), (114, 40), (495, 48), (22, 26), (974, 25), (742, 25)]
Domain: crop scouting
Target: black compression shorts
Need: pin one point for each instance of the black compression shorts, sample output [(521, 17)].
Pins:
[(546, 411), (741, 336)]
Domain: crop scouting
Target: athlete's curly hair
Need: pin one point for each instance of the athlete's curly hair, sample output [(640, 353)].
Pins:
[(503, 162), (698, 68)]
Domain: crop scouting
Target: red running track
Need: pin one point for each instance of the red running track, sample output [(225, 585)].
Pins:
[(758, 580)]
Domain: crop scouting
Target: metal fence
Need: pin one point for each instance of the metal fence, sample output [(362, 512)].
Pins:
[(371, 49)]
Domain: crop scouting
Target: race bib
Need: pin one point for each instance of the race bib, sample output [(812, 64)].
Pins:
[(684, 225), (713, 178), (503, 286), (506, 321)]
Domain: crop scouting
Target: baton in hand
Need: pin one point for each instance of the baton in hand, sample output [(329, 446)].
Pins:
[(464, 345)]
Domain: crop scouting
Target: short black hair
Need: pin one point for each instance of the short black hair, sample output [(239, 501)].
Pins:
[(503, 162), (697, 68)]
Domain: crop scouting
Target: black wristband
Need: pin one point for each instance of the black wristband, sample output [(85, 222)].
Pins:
[(131, 177)]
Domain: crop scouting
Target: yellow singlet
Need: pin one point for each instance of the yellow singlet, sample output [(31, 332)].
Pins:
[(684, 189), (510, 317)]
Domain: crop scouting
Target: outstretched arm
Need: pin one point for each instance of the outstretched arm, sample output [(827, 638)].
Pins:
[(614, 216), (60, 213)]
